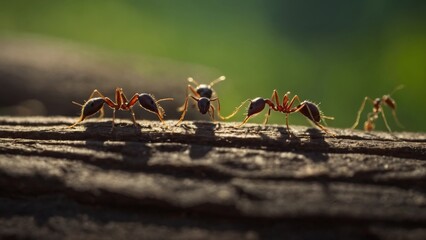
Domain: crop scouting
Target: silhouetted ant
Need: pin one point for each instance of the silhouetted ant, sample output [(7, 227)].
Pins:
[(202, 94), (377, 108), (308, 109), (95, 104)]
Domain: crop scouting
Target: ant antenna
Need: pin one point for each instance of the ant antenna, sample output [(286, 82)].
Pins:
[(78, 104), (397, 89), (236, 110), (220, 79), (164, 99), (191, 80)]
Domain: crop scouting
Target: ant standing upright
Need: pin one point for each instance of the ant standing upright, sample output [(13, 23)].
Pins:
[(308, 109), (96, 104), (377, 108), (203, 95)]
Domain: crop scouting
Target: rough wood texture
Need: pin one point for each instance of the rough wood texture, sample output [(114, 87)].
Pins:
[(208, 181)]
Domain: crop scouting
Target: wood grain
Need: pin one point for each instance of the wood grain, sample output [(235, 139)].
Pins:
[(206, 180)]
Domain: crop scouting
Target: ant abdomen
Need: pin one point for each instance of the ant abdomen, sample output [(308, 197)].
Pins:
[(148, 102), (310, 110), (91, 107)]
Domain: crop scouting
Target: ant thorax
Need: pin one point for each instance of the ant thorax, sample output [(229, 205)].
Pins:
[(204, 91)]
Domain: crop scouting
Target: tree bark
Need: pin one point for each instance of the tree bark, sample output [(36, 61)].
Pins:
[(206, 180)]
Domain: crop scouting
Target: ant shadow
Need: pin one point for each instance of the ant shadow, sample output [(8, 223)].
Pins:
[(318, 145), (203, 128), (130, 155)]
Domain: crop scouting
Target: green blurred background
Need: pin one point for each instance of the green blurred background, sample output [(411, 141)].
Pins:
[(331, 52)]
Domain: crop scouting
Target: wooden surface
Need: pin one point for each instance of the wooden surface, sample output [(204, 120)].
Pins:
[(207, 181)]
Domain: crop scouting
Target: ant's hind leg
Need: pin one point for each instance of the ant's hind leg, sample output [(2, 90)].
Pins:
[(396, 119), (96, 92), (267, 117), (385, 121), (288, 127), (236, 110)]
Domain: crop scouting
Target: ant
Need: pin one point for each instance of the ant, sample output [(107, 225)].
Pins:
[(377, 108), (95, 104), (308, 109), (203, 94)]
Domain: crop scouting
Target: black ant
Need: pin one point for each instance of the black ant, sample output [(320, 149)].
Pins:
[(203, 94), (377, 108), (95, 104), (308, 109)]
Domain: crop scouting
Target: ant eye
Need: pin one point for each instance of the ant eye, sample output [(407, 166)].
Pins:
[(152, 102), (251, 107)]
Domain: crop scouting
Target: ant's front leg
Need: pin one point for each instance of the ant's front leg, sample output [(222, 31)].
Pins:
[(360, 111), (194, 92), (267, 117), (211, 113), (185, 108)]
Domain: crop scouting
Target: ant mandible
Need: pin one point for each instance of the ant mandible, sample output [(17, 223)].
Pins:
[(377, 108), (308, 109), (203, 94), (95, 104)]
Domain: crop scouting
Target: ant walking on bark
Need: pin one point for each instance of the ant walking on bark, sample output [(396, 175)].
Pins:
[(377, 109), (96, 104), (308, 109), (203, 95)]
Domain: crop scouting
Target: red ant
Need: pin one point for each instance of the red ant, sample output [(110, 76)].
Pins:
[(308, 109), (95, 104), (202, 94), (377, 108)]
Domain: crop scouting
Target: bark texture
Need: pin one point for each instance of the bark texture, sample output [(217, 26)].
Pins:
[(206, 180)]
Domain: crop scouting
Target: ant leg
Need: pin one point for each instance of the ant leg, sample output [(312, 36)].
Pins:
[(219, 79), (244, 121), (312, 117), (396, 119), (236, 110), (295, 97), (267, 116), (285, 100), (360, 111), (275, 97), (218, 107), (133, 117), (211, 113), (96, 92), (324, 129), (286, 123), (113, 119), (194, 92), (384, 120), (185, 108)]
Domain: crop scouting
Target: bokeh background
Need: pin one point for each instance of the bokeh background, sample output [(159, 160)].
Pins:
[(331, 52)]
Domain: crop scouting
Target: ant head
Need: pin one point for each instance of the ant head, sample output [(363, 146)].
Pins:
[(148, 102), (256, 106), (91, 107), (203, 105), (310, 110)]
